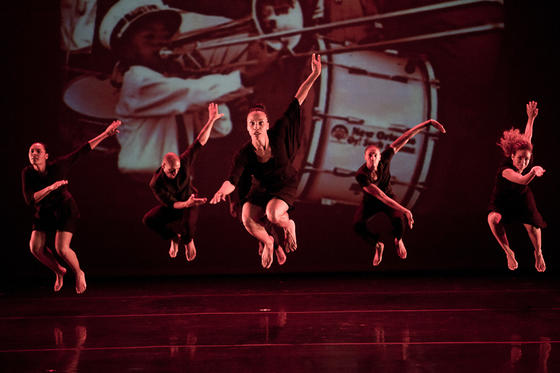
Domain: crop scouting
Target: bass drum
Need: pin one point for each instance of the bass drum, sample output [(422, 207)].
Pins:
[(369, 97)]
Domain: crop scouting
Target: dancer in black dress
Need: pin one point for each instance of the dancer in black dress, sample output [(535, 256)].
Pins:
[(44, 189), (512, 200), (375, 179), (267, 157), (175, 218)]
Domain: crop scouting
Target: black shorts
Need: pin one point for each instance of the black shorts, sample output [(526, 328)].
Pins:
[(63, 217), (260, 196)]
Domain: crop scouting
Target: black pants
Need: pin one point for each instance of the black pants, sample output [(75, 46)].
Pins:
[(169, 222), (364, 213)]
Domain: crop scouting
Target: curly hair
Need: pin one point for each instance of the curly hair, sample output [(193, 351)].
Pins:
[(512, 141)]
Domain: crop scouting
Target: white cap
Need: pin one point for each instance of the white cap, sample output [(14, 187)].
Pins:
[(125, 12)]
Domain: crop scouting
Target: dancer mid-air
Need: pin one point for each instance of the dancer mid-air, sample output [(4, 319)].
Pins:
[(512, 200), (375, 179), (175, 218), (55, 210), (267, 157)]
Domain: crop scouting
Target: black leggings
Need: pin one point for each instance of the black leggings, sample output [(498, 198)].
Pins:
[(364, 213), (168, 222)]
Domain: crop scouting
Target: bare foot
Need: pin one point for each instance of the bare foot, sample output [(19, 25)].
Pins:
[(378, 253), (540, 265), (280, 255), (190, 251), (80, 282), (512, 263), (173, 248), (266, 257), (401, 249), (59, 279), (290, 243)]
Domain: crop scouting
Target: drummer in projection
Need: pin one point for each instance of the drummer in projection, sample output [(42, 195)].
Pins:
[(374, 177), (155, 93), (268, 158)]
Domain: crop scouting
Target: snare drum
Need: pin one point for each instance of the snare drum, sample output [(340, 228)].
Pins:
[(369, 97)]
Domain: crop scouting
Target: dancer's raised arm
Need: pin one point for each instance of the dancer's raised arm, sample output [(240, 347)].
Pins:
[(112, 129), (304, 88), (403, 139), (532, 112), (213, 116)]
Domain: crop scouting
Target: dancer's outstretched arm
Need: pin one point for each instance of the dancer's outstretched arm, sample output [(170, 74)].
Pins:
[(403, 139), (516, 177), (226, 189), (304, 88), (111, 130), (213, 116), (532, 112), (380, 195)]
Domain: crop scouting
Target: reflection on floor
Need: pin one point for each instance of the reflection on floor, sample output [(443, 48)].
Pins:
[(319, 323)]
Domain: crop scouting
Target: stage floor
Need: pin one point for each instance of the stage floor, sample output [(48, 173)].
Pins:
[(289, 323)]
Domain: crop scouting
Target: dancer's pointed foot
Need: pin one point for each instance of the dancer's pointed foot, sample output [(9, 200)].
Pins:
[(540, 265), (59, 279), (174, 248), (378, 253), (80, 282), (290, 242), (280, 255), (401, 249), (267, 254), (190, 251), (511, 262)]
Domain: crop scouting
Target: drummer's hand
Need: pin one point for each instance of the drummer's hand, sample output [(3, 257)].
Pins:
[(218, 197), (437, 125), (213, 114), (112, 129), (316, 64)]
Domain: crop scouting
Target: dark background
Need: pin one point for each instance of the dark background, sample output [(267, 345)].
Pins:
[(486, 80)]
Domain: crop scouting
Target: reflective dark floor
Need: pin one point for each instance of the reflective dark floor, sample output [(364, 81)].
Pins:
[(319, 323)]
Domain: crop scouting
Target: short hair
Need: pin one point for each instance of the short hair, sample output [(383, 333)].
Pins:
[(257, 107), (513, 140), (371, 146)]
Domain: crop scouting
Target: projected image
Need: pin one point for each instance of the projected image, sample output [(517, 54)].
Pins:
[(156, 65)]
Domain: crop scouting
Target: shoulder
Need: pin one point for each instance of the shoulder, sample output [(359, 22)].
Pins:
[(388, 152), (157, 178), (27, 170)]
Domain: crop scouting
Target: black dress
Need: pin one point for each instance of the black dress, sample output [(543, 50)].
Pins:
[(57, 211), (371, 206), (276, 178), (515, 202), (164, 219)]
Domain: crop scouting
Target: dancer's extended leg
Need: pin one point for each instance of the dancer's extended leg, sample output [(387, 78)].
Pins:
[(251, 216), (277, 213), (494, 221), (535, 236), (37, 245), (62, 245)]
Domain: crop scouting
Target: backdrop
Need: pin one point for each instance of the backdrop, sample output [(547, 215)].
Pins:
[(472, 66)]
